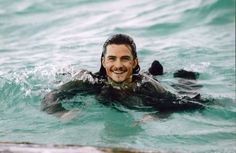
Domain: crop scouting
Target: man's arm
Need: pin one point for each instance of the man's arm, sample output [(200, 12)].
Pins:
[(51, 102), (157, 96), (82, 82)]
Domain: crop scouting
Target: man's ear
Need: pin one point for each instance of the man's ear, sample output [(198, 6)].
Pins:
[(103, 61), (135, 62)]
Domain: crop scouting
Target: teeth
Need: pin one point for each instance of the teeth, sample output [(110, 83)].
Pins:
[(118, 72)]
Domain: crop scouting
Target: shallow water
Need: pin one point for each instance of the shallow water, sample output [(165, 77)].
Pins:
[(42, 40)]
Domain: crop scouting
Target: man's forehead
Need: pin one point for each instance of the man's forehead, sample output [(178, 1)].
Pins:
[(124, 48)]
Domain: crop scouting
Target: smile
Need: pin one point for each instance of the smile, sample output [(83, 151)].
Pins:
[(118, 72)]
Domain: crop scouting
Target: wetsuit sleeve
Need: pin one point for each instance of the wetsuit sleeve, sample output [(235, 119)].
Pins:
[(151, 87), (51, 102), (172, 103), (162, 100)]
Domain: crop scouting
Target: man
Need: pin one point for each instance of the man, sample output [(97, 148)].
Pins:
[(119, 82)]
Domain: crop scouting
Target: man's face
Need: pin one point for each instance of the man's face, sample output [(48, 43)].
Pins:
[(119, 63)]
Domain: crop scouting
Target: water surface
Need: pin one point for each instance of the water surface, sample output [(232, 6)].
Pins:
[(41, 40)]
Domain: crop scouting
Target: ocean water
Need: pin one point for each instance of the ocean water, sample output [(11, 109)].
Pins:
[(43, 43)]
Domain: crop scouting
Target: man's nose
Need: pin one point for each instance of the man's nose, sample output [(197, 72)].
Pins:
[(118, 63)]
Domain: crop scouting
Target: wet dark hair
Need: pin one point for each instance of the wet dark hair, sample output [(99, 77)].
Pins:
[(119, 39)]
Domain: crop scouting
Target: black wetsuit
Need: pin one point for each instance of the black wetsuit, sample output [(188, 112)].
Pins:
[(145, 93)]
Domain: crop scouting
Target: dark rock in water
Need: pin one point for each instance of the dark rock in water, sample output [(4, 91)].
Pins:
[(156, 68), (186, 74)]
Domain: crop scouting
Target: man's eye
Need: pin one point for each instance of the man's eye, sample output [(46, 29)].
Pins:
[(126, 59), (111, 58)]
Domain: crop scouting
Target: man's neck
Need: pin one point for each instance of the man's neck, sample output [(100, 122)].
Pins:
[(120, 85)]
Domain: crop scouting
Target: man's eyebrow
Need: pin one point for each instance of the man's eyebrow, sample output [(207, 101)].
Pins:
[(111, 56), (126, 57)]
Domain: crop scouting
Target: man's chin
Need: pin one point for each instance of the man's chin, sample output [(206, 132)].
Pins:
[(117, 80)]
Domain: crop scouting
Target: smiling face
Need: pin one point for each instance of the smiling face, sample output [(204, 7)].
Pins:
[(119, 63)]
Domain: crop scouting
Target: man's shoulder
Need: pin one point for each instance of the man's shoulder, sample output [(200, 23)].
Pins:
[(147, 82), (86, 76), (145, 78), (81, 73)]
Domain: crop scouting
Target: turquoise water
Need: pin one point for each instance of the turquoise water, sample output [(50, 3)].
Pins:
[(41, 40)]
